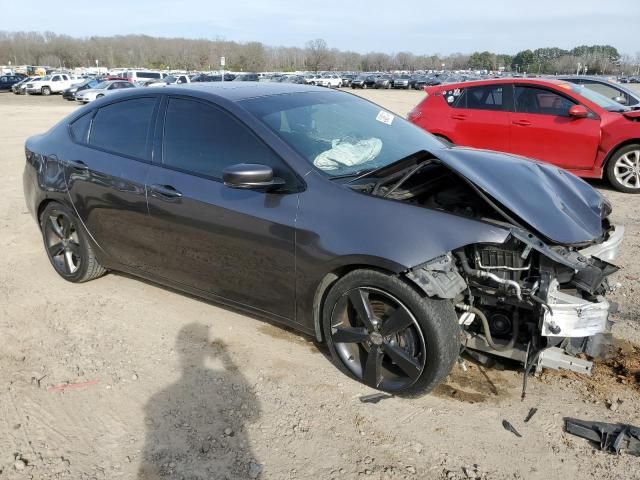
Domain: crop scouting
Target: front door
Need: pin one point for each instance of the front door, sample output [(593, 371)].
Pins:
[(232, 243), (541, 128)]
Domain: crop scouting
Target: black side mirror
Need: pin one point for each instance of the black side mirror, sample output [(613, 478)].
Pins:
[(251, 176)]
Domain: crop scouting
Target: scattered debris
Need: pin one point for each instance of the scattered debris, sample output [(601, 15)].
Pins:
[(374, 397), (507, 426), (255, 469), (530, 415), (611, 437), (71, 386)]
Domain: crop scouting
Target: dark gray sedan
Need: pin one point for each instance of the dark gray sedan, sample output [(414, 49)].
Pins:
[(329, 214)]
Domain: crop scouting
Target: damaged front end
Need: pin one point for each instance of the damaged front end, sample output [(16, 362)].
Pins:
[(524, 300), (538, 297)]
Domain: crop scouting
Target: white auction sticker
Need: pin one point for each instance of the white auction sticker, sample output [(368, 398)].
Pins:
[(385, 117)]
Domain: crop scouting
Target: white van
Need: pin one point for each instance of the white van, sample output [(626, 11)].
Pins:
[(142, 76)]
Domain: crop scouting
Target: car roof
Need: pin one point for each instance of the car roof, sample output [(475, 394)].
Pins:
[(495, 81), (237, 91)]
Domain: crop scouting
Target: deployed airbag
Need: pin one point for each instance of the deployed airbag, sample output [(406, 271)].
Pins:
[(344, 153)]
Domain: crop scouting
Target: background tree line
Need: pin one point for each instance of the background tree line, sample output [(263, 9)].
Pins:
[(50, 49)]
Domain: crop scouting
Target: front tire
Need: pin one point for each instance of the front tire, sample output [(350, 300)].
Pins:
[(623, 169), (385, 334), (46, 91), (67, 245)]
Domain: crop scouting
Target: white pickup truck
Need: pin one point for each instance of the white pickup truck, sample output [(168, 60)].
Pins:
[(54, 83)]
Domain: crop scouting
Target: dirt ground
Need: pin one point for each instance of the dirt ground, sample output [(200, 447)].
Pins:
[(94, 376)]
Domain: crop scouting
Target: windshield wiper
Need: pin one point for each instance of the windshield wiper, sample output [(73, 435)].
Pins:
[(364, 171), (406, 177)]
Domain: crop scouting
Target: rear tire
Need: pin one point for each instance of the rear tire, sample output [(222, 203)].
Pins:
[(410, 341), (623, 169), (67, 245)]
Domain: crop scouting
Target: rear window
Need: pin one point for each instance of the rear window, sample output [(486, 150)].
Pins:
[(123, 127)]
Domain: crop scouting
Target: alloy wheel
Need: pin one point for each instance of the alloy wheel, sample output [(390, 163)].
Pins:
[(63, 243), (627, 169), (378, 339)]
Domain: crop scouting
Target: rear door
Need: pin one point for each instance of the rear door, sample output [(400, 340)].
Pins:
[(236, 244), (479, 116), (106, 171), (541, 128)]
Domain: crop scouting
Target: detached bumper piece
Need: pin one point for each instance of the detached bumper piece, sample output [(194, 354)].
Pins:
[(610, 437), (571, 316)]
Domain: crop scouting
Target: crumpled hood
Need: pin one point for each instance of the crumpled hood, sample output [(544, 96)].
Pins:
[(555, 203)]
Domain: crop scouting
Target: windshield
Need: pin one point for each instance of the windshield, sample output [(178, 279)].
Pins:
[(598, 98), (102, 85), (46, 78), (170, 79), (340, 134)]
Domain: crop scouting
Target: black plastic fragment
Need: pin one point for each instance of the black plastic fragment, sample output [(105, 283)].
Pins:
[(374, 397), (610, 437), (530, 415), (507, 426)]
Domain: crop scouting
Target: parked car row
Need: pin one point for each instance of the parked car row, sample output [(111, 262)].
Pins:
[(8, 81)]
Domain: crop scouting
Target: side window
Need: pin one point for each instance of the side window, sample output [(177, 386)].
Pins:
[(489, 97), (3, 79), (124, 127), (541, 101), (80, 128), (201, 139), (55, 79), (456, 98)]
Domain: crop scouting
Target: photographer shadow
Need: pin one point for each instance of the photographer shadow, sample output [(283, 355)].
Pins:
[(195, 428)]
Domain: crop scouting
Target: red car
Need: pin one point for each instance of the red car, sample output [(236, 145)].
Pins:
[(550, 120)]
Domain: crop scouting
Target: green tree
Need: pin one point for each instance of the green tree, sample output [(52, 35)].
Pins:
[(523, 61)]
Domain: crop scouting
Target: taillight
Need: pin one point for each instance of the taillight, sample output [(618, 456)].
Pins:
[(414, 114)]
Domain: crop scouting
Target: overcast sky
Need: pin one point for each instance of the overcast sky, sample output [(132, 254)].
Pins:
[(389, 25)]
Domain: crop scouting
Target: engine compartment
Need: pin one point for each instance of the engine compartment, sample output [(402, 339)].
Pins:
[(433, 186)]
